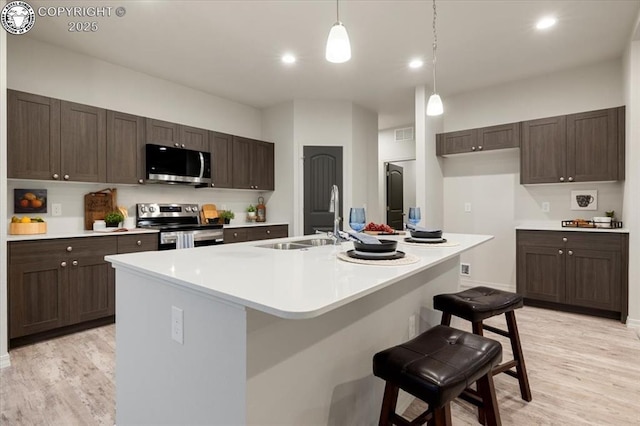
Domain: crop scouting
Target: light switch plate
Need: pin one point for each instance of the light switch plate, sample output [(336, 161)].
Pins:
[(467, 207)]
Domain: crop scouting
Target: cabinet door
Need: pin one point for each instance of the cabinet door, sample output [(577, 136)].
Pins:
[(459, 142), (194, 138), (163, 133), (33, 134), (138, 242), (125, 148), (593, 279), (262, 166), (83, 145), (498, 137), (38, 297), (221, 159), (91, 289), (543, 151), (242, 148), (592, 146), (540, 272)]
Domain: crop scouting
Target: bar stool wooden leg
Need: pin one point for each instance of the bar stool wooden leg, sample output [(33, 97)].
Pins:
[(446, 319), (516, 347), (388, 404), (489, 402), (441, 416)]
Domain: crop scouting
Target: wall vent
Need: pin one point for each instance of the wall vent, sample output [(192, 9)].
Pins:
[(404, 134), (465, 269)]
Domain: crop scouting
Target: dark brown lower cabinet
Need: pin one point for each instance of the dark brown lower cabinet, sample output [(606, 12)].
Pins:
[(62, 285), (583, 272), (254, 233)]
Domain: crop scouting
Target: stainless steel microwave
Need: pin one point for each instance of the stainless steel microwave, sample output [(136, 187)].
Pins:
[(165, 164)]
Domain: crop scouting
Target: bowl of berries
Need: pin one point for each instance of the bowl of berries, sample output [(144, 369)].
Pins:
[(379, 229)]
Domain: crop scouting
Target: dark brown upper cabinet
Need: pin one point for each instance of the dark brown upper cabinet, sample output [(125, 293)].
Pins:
[(125, 148), (83, 147), (176, 135), (253, 164), (33, 128), (221, 160), (483, 139), (582, 147)]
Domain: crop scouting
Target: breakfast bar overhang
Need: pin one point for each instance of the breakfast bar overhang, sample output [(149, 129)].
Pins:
[(269, 336)]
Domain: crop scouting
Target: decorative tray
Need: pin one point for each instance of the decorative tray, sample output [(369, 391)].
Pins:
[(581, 223)]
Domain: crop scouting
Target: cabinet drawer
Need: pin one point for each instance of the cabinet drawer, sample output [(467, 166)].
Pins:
[(35, 251), (599, 241), (136, 243), (268, 232), (540, 238), (235, 235)]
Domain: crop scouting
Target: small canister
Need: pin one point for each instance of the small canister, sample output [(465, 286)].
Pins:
[(99, 225), (261, 210)]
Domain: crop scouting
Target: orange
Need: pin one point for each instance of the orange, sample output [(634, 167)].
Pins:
[(36, 203), (24, 203)]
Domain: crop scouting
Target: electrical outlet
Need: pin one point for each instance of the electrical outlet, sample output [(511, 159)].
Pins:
[(465, 269), (177, 324), (545, 207), (467, 207), (412, 326), (56, 209)]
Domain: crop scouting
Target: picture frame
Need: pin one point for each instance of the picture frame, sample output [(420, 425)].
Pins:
[(29, 201), (586, 199)]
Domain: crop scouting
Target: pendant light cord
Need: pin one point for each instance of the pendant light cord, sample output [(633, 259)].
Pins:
[(337, 11), (435, 45)]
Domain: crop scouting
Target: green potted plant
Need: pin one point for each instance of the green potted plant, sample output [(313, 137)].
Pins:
[(226, 215), (113, 219), (251, 213)]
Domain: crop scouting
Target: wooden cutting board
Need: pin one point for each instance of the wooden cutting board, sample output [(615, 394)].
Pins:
[(97, 205), (208, 211)]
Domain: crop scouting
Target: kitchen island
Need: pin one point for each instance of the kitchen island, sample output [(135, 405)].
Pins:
[(268, 336)]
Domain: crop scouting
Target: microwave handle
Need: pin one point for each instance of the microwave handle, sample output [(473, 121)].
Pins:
[(201, 164)]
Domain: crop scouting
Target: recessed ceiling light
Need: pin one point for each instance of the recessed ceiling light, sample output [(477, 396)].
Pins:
[(288, 58), (416, 63), (546, 22)]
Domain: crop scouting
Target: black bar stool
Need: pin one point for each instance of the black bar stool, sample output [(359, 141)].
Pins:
[(437, 366), (480, 303)]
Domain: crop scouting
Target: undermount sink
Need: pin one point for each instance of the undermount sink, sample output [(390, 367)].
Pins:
[(298, 245)]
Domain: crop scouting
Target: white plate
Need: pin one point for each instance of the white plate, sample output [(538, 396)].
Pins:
[(375, 254), (428, 240)]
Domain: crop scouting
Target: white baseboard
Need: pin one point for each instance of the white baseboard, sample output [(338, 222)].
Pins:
[(5, 361), (633, 323), (467, 284)]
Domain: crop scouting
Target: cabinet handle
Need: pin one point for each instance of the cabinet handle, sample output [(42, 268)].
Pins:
[(140, 181), (570, 253), (268, 232), (74, 263), (66, 177), (177, 145), (63, 264), (213, 184), (182, 145), (570, 179), (473, 148), (235, 234), (138, 243), (565, 239), (480, 148), (560, 252), (561, 178), (56, 176), (256, 186), (69, 248)]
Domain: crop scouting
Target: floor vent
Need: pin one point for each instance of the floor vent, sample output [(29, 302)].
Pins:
[(465, 269), (404, 134)]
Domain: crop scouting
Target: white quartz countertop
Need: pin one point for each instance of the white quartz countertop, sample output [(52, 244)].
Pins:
[(557, 226), (293, 284), (252, 224), (78, 234)]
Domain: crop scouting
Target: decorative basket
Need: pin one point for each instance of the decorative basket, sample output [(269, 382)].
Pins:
[(27, 228)]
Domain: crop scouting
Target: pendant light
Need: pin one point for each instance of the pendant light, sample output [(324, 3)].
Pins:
[(338, 46), (434, 106)]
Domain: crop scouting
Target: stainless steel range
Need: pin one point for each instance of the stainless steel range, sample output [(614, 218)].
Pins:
[(175, 221)]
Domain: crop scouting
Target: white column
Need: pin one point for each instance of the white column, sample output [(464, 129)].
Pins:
[(4, 355)]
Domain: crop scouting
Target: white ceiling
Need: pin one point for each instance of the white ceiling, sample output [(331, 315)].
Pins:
[(232, 49)]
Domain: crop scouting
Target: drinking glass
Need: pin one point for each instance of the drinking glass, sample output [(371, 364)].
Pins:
[(414, 215), (357, 218)]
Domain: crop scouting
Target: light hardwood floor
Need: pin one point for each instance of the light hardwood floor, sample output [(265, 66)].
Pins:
[(583, 371)]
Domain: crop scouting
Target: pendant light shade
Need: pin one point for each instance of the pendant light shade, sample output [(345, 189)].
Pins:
[(434, 106), (338, 45)]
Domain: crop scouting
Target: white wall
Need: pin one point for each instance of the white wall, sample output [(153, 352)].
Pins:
[(490, 181), (364, 163), (390, 149), (631, 210), (4, 356)]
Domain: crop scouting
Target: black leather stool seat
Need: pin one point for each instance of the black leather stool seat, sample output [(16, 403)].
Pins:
[(439, 364), (478, 303)]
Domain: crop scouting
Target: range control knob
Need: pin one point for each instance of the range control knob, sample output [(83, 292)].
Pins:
[(194, 208), (187, 209), (152, 209), (143, 209)]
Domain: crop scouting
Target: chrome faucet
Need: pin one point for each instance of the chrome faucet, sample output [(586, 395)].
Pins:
[(334, 206)]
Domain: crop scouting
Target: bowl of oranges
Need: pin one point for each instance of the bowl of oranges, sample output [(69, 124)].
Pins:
[(27, 225)]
